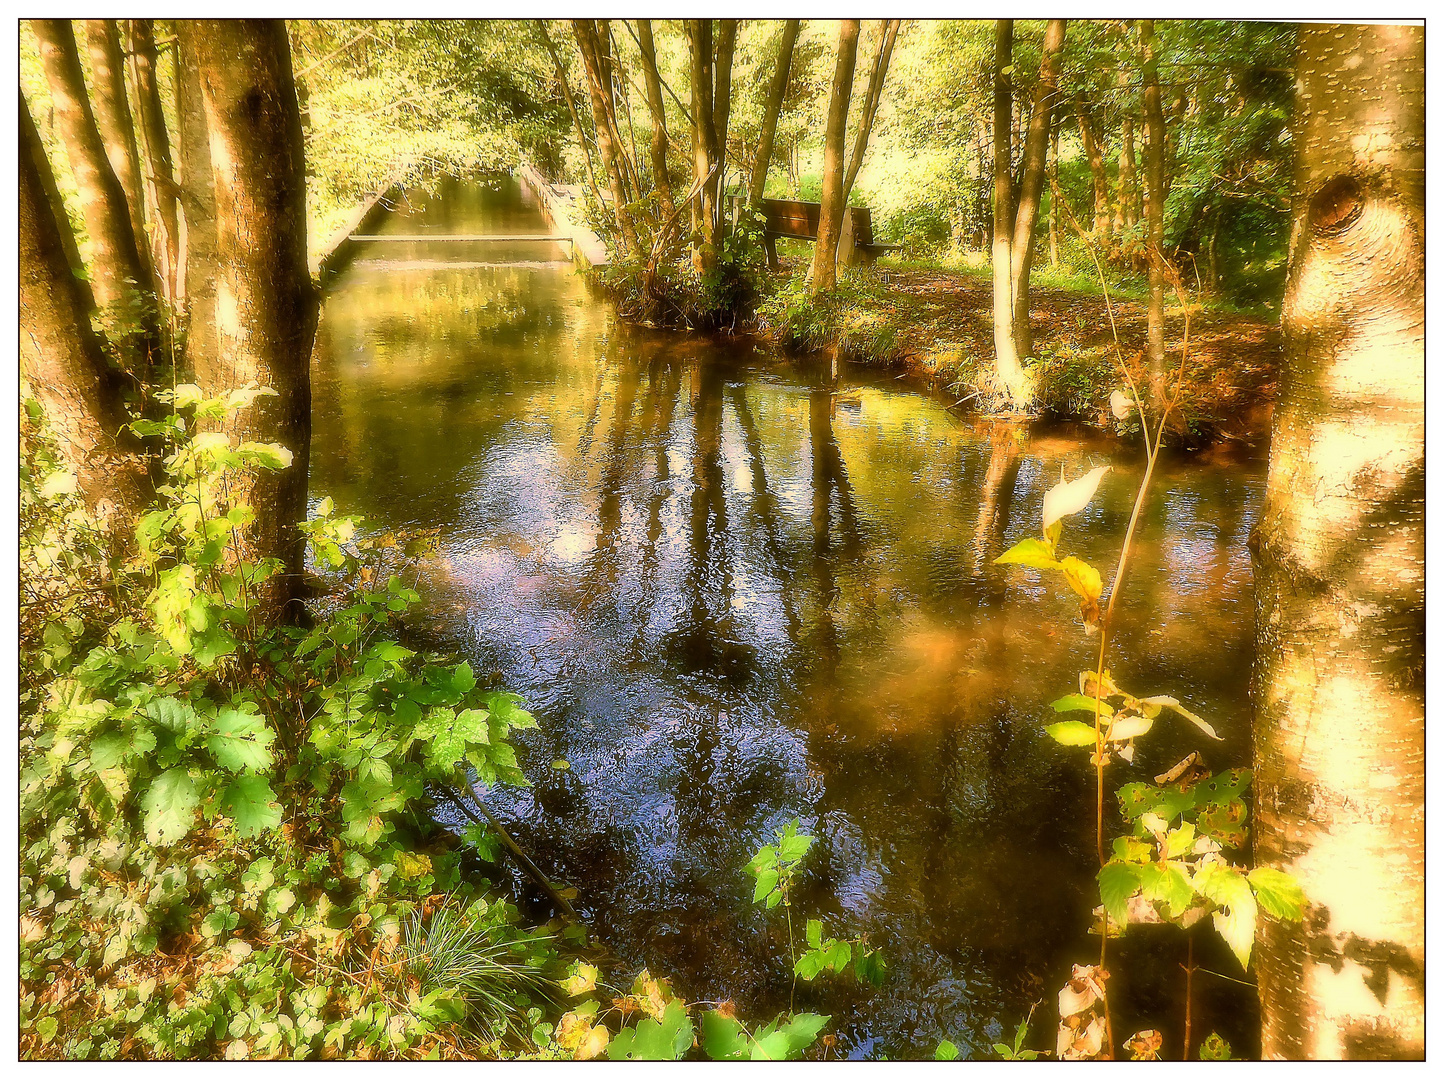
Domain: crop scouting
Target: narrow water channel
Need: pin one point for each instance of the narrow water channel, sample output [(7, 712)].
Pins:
[(735, 591)]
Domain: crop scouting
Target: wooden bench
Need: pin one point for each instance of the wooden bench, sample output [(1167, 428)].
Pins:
[(799, 220)]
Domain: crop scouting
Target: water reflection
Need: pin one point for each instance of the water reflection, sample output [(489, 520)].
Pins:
[(735, 592)]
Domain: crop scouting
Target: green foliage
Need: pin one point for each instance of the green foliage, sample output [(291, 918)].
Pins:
[(1215, 1048), (1016, 1052)]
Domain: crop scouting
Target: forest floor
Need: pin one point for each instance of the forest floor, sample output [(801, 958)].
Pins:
[(938, 322)]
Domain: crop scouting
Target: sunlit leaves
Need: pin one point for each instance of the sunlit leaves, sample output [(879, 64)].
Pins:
[(774, 864), (1278, 893), (1082, 703), (1229, 890), (241, 741), (1117, 881), (1072, 733), (1068, 498), (251, 804), (665, 1039), (1029, 552), (1193, 718), (170, 807)]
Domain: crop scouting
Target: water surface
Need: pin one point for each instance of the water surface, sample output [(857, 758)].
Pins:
[(736, 590)]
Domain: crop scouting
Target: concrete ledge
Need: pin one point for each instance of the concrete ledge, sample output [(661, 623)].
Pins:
[(561, 205), (339, 250)]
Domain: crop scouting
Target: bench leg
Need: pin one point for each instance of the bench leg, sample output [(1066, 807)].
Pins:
[(769, 243)]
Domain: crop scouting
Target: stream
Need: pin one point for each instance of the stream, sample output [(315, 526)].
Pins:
[(735, 591)]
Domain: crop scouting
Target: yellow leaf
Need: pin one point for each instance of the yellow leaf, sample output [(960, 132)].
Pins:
[(1082, 578), (412, 866), (582, 979)]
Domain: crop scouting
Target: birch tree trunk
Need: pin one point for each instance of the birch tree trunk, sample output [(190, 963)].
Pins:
[(1030, 194), (871, 102), (1010, 373), (1154, 154), (155, 145), (776, 91), (1339, 564), (119, 278), (113, 121), (266, 305), (829, 223), (61, 357)]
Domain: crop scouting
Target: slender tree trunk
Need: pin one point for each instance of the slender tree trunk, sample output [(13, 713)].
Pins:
[(196, 260), (1054, 194), (870, 103), (1098, 166), (1030, 195), (722, 84), (776, 91), (61, 357), (829, 225), (155, 143), (570, 98), (113, 121), (613, 81), (1010, 372), (1127, 175), (704, 146), (117, 272), (266, 303), (1339, 562), (1153, 118), (658, 110), (603, 107)]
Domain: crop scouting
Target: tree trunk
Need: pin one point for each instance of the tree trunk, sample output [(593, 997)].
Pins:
[(570, 99), (1154, 147), (266, 303), (1030, 195), (196, 261), (661, 179), (722, 87), (603, 109), (829, 223), (61, 357), (31, 143), (1054, 194), (776, 91), (1339, 564), (117, 272), (1010, 373), (156, 146), (704, 146), (1098, 166), (113, 121), (1127, 176), (870, 103)]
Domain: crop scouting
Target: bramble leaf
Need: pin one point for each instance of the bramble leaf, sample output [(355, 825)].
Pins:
[(251, 804), (170, 807)]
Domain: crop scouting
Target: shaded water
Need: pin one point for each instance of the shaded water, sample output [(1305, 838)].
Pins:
[(736, 592)]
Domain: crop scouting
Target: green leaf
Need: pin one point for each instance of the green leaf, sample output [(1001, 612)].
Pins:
[(1167, 883), (814, 932), (766, 882), (1278, 893), (1072, 733), (251, 804), (266, 455), (948, 1051), (174, 715), (723, 1038), (170, 807), (801, 1032), (241, 741), (652, 1040), (793, 847), (1029, 552), (1083, 703), (1117, 881), (1226, 887)]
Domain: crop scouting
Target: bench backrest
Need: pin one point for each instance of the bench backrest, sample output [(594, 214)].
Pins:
[(791, 217)]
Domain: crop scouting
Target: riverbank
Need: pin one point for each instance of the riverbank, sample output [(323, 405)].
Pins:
[(937, 323)]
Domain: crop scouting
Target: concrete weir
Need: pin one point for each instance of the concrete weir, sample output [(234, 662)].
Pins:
[(561, 204)]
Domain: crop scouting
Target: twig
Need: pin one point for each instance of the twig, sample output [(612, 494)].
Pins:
[(515, 850)]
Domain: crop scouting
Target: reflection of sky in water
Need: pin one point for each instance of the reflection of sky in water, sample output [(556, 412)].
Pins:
[(734, 596)]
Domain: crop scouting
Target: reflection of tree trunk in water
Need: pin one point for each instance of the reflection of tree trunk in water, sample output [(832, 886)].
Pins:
[(708, 519), (996, 499), (827, 458), (764, 503), (584, 445), (614, 475), (660, 405)]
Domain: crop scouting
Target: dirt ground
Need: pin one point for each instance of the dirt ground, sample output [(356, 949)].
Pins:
[(942, 322)]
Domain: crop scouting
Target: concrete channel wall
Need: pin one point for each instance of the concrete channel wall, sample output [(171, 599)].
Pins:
[(561, 205), (340, 249)]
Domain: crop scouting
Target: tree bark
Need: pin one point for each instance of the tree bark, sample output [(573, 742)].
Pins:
[(155, 143), (31, 143), (1339, 564), (1030, 195), (870, 103), (1154, 154), (776, 91), (603, 109), (704, 146), (722, 88), (113, 121), (265, 302), (196, 259), (117, 272), (1127, 176), (657, 107), (1098, 166), (829, 224), (1054, 194), (1010, 374), (61, 357)]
